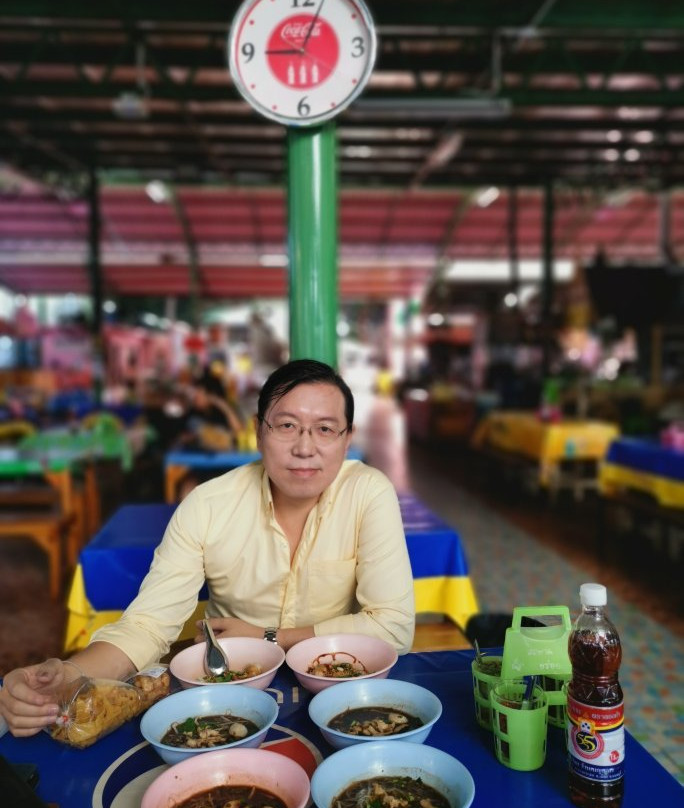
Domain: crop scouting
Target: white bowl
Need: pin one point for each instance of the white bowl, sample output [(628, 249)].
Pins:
[(246, 702), (259, 767), (188, 665), (402, 759), (394, 693), (377, 656)]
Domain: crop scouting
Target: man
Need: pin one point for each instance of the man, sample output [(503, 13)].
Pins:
[(301, 543)]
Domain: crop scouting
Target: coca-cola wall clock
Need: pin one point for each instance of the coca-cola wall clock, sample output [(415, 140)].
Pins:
[(301, 62)]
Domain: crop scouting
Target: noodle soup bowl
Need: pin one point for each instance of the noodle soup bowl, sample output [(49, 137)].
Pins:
[(363, 762), (188, 665), (271, 771), (376, 657), (245, 702), (394, 695)]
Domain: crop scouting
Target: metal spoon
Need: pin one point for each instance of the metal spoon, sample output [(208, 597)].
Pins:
[(478, 653), (215, 658)]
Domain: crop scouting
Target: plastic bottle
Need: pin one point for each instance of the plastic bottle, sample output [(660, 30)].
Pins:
[(595, 731)]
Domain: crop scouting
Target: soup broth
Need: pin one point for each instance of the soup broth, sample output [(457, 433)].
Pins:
[(374, 721), (389, 792), (206, 731), (235, 796)]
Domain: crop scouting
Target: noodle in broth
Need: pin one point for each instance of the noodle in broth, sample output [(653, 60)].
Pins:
[(374, 721), (390, 792)]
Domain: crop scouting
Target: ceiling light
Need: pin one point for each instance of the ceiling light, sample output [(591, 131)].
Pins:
[(428, 108), (157, 191), (632, 154), (614, 136), (486, 197), (361, 152), (510, 300), (645, 136), (494, 271), (130, 106), (612, 155), (274, 260)]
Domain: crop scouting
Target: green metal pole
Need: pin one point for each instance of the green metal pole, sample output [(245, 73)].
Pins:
[(312, 225)]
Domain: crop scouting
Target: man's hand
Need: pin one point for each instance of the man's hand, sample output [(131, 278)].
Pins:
[(25, 700)]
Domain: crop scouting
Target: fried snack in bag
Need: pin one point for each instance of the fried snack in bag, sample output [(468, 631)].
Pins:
[(153, 684), (92, 708)]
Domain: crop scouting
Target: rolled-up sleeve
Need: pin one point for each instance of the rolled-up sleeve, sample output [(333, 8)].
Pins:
[(168, 594)]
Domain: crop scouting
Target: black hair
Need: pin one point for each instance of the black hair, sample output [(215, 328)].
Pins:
[(303, 371)]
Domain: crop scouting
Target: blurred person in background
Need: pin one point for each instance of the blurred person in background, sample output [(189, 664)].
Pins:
[(299, 544), (211, 423)]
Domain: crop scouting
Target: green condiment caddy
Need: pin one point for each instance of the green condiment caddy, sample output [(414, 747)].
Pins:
[(530, 650)]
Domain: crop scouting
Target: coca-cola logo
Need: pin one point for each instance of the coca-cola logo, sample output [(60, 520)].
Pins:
[(293, 31)]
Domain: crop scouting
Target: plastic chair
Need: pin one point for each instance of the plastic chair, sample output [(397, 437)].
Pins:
[(13, 431), (102, 421)]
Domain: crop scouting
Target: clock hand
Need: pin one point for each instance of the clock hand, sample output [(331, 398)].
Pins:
[(289, 51), (318, 59), (312, 24)]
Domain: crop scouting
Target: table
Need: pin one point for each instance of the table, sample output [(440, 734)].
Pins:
[(81, 445), (114, 772), (638, 464), (563, 454), (645, 480), (178, 462), (113, 565)]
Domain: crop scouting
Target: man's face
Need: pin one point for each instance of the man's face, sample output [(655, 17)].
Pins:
[(300, 470)]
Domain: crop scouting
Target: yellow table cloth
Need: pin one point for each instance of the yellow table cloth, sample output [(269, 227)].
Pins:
[(524, 434)]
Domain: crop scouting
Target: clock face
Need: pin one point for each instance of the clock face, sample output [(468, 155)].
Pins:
[(301, 62)]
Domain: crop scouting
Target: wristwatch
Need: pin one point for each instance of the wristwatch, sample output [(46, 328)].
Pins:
[(271, 634)]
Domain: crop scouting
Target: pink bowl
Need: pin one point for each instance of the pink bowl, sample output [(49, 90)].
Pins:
[(188, 665), (377, 656), (269, 770)]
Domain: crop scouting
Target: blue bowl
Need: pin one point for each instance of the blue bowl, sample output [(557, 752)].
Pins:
[(400, 759), (246, 702), (406, 696)]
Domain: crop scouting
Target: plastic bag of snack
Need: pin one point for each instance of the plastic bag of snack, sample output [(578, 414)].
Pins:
[(152, 683), (92, 708)]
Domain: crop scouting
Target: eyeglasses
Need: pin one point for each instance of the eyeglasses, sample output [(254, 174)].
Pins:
[(289, 432)]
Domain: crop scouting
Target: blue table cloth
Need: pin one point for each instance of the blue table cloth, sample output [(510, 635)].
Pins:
[(648, 456), (114, 772), (113, 565), (646, 467)]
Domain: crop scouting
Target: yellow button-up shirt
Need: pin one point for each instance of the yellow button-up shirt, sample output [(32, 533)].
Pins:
[(350, 573)]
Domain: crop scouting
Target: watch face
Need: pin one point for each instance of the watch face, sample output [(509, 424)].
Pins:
[(301, 62)]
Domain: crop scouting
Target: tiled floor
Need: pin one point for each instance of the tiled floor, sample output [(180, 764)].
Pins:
[(521, 552)]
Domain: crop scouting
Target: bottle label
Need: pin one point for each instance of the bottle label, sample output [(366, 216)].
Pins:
[(596, 740)]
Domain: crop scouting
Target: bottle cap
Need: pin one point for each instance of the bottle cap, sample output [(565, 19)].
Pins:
[(593, 595)]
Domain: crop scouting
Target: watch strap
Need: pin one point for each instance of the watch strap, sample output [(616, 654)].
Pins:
[(271, 634)]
